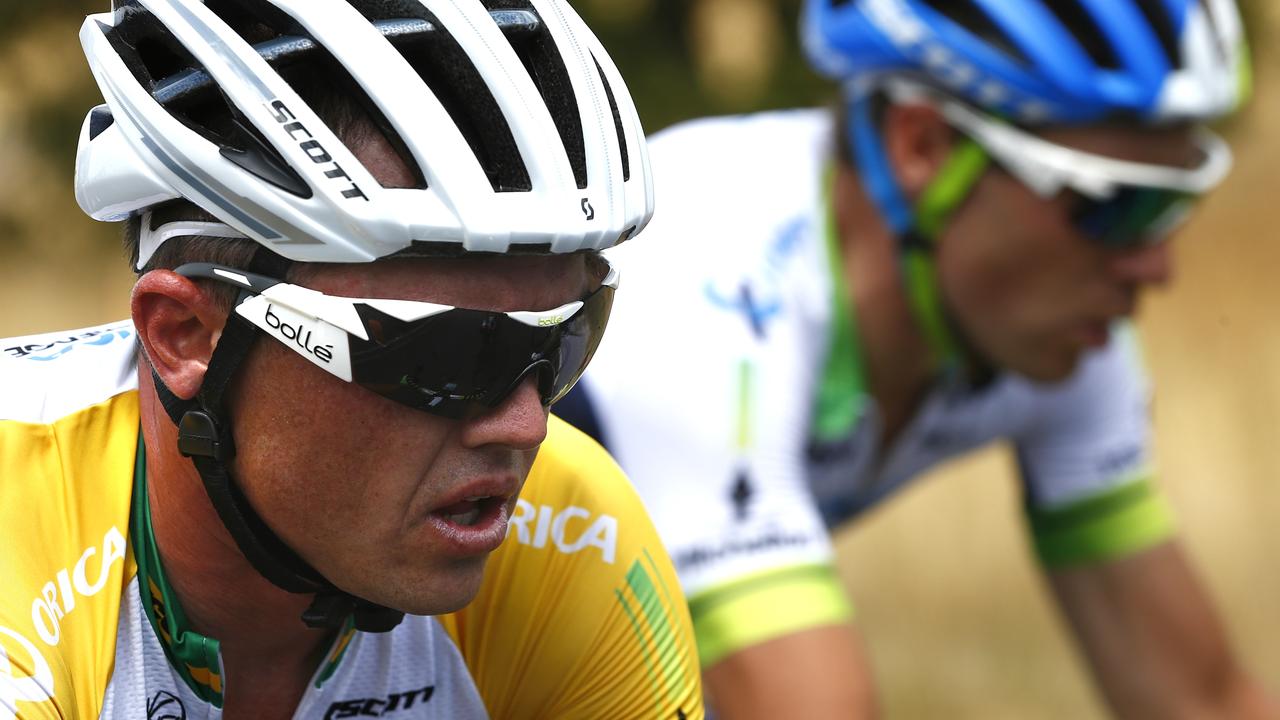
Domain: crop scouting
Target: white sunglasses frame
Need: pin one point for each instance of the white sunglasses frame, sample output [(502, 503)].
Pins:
[(1049, 168)]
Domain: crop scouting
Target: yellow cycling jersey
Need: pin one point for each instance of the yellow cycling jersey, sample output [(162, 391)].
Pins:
[(579, 616)]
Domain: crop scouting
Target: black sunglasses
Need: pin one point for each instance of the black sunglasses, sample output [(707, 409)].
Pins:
[(439, 359)]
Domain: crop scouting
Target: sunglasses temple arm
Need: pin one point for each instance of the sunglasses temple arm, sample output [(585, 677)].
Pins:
[(246, 281)]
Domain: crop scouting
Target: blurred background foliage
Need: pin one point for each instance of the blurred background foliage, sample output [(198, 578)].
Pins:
[(955, 615)]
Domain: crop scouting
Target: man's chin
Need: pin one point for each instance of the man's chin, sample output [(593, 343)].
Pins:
[(1050, 368), (440, 593), (438, 605)]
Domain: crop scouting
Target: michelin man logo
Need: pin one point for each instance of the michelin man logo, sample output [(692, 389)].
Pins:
[(34, 685)]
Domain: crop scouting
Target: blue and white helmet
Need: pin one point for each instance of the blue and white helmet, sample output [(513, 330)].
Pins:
[(1045, 61), (510, 113)]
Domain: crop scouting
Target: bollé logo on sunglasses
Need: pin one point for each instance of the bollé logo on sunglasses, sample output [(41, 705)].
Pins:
[(299, 335)]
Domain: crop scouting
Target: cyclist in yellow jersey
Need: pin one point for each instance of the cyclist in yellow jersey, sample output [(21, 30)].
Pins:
[(370, 512)]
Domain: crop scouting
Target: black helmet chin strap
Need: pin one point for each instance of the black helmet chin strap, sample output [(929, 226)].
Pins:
[(204, 435)]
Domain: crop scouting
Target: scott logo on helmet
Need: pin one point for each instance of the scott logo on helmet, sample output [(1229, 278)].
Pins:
[(313, 148), (301, 336)]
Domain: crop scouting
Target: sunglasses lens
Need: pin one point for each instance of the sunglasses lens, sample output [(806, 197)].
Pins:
[(578, 343), (447, 364), (1134, 216)]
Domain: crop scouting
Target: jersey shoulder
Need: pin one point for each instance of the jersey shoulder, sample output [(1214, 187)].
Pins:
[(721, 177), (580, 613), (743, 139), (45, 377), (68, 439), (727, 234), (572, 469)]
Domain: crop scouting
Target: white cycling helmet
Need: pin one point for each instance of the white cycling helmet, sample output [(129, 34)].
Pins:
[(510, 113)]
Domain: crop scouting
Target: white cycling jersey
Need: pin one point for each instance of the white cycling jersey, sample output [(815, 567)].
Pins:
[(729, 389)]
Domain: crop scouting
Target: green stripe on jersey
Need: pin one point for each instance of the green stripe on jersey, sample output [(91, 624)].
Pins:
[(1113, 524), (745, 419), (646, 606), (337, 652), (766, 605)]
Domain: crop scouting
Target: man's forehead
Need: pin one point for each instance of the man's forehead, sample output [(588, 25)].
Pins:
[(482, 281), (1173, 145)]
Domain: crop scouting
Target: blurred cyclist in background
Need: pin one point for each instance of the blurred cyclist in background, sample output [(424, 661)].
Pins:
[(828, 304), (302, 481)]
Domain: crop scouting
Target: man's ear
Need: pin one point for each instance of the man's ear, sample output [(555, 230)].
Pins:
[(179, 325), (918, 141)]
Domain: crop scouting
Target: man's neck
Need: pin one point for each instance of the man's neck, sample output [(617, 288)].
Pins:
[(264, 643), (898, 360)]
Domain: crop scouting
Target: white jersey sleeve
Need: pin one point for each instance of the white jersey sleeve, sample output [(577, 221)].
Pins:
[(1085, 458)]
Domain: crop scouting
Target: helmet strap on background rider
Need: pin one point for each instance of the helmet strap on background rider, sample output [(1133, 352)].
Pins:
[(915, 227)]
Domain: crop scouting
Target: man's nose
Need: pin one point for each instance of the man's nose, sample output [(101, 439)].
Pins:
[(519, 422), (1145, 265)]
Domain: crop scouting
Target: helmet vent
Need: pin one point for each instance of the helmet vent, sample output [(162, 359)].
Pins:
[(322, 82), (343, 104), (1073, 15), (146, 46), (617, 122), (181, 85), (977, 22), (255, 20), (1162, 23), (445, 67), (537, 50), (100, 120)]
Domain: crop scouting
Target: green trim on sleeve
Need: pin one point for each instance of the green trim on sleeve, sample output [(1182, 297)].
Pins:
[(1122, 521), (760, 607)]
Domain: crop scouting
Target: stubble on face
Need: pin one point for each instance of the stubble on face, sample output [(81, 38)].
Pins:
[(348, 478)]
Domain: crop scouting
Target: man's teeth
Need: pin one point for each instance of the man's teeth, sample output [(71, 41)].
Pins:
[(471, 515), (466, 518)]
